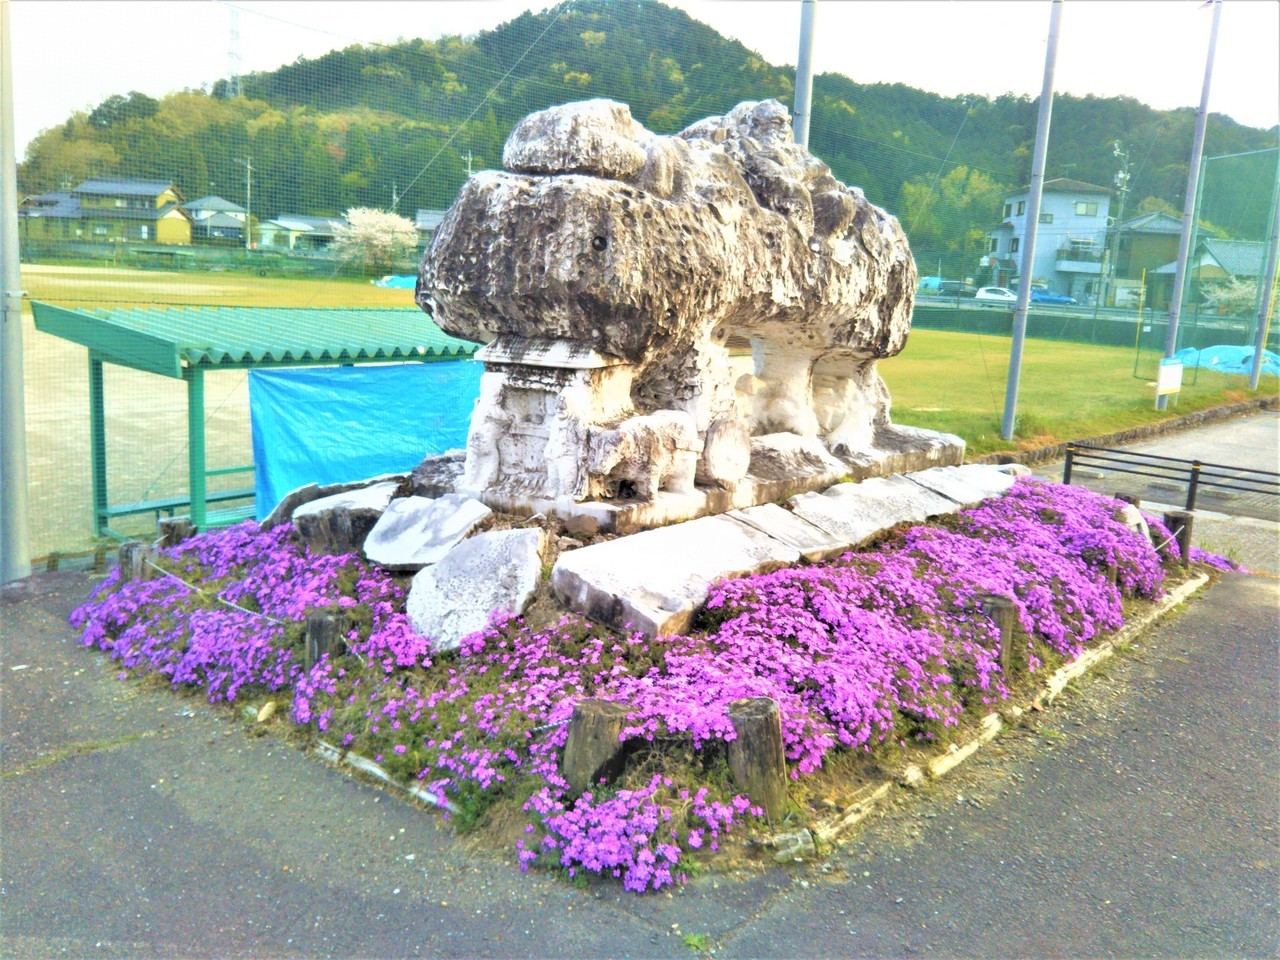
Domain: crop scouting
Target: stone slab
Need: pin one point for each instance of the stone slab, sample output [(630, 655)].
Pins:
[(968, 485), (487, 573), (813, 543), (654, 582), (856, 512), (296, 498), (339, 523), (415, 532)]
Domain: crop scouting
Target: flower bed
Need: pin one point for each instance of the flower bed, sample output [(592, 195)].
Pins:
[(884, 646)]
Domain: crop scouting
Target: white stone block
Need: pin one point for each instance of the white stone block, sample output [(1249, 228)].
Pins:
[(414, 532), (813, 543), (490, 572), (655, 581)]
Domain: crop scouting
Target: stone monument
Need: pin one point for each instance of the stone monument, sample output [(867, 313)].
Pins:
[(611, 273)]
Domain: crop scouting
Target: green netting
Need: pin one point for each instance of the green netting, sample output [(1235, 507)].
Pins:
[(236, 194)]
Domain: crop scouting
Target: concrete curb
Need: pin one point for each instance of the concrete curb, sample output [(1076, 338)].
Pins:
[(344, 758), (1058, 451), (835, 829)]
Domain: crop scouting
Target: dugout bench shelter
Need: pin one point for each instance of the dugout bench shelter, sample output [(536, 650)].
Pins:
[(187, 342)]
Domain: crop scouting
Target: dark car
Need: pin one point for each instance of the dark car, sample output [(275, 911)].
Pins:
[(956, 288), (1046, 296)]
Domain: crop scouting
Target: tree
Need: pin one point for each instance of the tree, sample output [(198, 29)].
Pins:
[(1233, 296), (377, 239), (947, 219)]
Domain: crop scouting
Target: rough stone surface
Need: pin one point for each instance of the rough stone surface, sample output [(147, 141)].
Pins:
[(340, 523), (784, 526), (495, 571), (438, 475), (414, 532), (658, 451), (294, 499), (967, 485), (654, 581), (908, 500), (607, 267), (726, 453)]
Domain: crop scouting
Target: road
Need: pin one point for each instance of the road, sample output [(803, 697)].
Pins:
[(1137, 817)]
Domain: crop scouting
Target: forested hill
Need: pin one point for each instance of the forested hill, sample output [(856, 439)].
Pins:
[(362, 125)]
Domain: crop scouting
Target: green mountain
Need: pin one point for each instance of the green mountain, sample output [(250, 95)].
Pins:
[(364, 125)]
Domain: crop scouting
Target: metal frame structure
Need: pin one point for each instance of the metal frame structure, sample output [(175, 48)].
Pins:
[(185, 343)]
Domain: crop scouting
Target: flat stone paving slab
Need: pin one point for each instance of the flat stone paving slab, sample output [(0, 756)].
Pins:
[(654, 581), (968, 485), (856, 512), (814, 543)]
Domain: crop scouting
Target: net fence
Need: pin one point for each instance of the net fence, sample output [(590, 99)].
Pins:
[(246, 191)]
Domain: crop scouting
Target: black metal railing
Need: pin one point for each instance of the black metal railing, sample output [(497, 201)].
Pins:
[(1196, 474)]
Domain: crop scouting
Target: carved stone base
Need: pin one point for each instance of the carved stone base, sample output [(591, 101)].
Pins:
[(781, 465)]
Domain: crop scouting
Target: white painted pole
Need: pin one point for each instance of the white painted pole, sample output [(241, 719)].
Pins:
[(1189, 204), (804, 74), (15, 529), (1033, 224)]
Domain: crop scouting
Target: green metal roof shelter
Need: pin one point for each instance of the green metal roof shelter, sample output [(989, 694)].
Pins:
[(185, 342)]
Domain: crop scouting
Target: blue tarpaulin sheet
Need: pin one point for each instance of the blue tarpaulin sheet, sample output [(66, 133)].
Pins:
[(1228, 359), (397, 282), (337, 424)]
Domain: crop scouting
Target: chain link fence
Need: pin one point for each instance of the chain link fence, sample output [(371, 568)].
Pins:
[(239, 193)]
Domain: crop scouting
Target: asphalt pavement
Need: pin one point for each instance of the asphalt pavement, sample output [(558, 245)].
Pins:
[(1137, 817)]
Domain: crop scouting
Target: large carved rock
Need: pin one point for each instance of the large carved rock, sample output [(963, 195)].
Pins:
[(647, 252)]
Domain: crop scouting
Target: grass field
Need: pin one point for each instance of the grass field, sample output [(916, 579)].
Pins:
[(945, 381)]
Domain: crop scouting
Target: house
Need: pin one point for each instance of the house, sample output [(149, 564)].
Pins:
[(216, 221), (1070, 240), (426, 222), (1212, 261), (296, 232), (148, 211)]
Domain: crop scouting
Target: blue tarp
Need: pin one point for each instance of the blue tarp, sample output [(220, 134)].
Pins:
[(336, 424), (397, 282), (1227, 359)]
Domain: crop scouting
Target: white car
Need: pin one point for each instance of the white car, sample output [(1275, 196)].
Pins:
[(996, 295)]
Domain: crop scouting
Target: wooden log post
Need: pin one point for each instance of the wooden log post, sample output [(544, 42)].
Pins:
[(324, 635), (1179, 524), (594, 750), (1004, 612), (173, 530), (1128, 498), (133, 560), (756, 758)]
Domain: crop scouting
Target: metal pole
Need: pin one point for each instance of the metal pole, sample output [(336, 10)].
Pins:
[(804, 74), (1033, 224), (195, 446), (1189, 204), (1267, 300), (15, 529)]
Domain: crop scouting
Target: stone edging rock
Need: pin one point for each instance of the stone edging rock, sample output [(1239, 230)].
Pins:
[(797, 845), (1212, 415)]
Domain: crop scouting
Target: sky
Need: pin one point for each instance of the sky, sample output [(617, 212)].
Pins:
[(72, 54)]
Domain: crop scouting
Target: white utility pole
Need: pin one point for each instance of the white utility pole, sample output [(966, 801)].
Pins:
[(1189, 205), (1033, 225), (15, 528), (804, 75)]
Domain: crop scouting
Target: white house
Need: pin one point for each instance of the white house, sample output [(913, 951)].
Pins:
[(1070, 242)]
